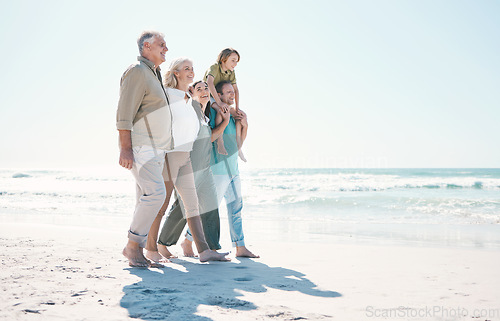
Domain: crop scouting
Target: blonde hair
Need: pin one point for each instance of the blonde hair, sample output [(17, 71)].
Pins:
[(170, 79), (224, 55)]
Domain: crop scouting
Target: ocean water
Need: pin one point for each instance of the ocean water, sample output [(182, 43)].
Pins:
[(450, 207)]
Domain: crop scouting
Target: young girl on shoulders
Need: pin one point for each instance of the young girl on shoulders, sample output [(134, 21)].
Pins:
[(223, 70)]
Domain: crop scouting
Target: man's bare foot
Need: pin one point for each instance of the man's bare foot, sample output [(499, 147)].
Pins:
[(209, 255), (134, 255), (187, 248), (242, 251), (163, 250), (242, 157), (156, 257), (221, 149)]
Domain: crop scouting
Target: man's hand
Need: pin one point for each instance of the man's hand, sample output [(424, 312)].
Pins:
[(223, 107), (126, 153), (244, 121), (239, 114), (126, 158), (225, 117)]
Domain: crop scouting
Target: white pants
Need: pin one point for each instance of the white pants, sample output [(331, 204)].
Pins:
[(150, 191)]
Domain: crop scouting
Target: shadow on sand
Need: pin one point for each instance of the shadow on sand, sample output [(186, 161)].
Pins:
[(176, 291)]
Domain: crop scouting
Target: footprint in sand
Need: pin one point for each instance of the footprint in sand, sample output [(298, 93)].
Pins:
[(227, 302)]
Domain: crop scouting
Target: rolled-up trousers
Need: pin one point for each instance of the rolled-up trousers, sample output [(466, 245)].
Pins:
[(150, 190)]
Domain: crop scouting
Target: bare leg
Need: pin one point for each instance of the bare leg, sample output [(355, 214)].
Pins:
[(221, 149), (151, 247), (163, 250), (242, 251), (187, 248), (239, 140), (152, 252), (244, 129)]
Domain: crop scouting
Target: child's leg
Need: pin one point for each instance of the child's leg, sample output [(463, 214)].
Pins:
[(221, 149), (239, 140)]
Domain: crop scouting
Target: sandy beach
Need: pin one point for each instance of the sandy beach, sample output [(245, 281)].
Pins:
[(370, 181), (61, 272)]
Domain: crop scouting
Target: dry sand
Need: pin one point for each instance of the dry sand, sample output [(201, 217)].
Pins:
[(53, 272)]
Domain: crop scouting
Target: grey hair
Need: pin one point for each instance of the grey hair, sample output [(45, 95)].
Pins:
[(147, 36), (170, 78)]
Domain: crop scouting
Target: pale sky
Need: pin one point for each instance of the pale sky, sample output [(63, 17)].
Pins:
[(324, 83)]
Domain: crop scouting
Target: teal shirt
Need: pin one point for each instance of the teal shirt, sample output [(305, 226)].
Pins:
[(225, 164)]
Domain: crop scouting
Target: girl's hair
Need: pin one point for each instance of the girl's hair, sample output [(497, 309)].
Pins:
[(207, 109), (170, 79), (196, 83), (224, 55)]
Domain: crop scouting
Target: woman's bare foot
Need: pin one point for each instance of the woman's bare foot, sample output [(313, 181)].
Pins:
[(242, 157), (242, 251), (187, 248), (156, 257), (221, 149), (163, 250), (134, 254), (209, 255)]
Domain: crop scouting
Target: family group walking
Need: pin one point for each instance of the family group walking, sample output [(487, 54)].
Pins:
[(183, 137)]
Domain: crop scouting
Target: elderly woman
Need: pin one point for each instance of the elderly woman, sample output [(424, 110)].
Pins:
[(178, 170), (205, 186)]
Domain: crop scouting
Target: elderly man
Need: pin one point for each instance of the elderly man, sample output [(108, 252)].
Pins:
[(144, 123)]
